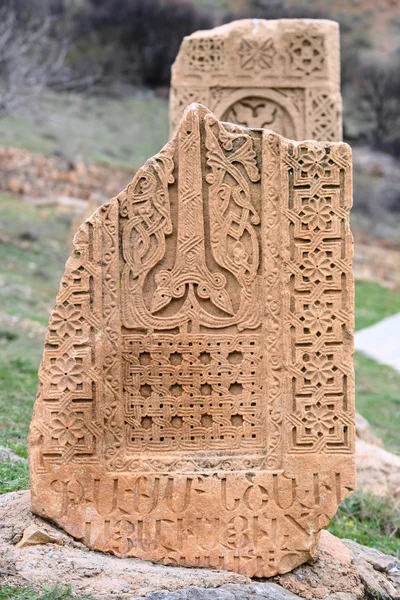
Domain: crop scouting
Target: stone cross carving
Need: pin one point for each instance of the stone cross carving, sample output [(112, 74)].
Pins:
[(282, 75), (196, 401)]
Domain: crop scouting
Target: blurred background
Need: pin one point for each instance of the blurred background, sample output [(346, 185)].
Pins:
[(87, 81), (84, 102)]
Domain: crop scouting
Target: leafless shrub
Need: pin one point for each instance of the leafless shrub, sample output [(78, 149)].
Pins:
[(377, 84), (139, 39), (32, 59)]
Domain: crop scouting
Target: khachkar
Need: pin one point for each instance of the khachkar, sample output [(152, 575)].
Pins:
[(282, 75), (196, 392)]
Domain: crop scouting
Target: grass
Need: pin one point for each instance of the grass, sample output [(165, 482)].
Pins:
[(377, 384), (18, 383), (374, 303), (13, 477), (121, 132), (369, 520), (378, 399), (8, 592), (33, 247)]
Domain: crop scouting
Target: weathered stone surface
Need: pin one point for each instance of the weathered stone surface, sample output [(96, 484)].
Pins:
[(196, 392), (282, 75), (332, 573), (252, 591), (88, 572), (342, 570), (379, 573), (378, 471)]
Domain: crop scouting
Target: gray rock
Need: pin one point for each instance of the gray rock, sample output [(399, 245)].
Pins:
[(230, 591), (379, 572), (341, 596), (8, 455)]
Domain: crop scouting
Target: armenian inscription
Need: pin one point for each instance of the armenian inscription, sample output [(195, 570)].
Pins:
[(196, 402), (282, 75)]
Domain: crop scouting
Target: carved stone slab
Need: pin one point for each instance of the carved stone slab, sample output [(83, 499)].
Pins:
[(282, 75), (196, 401)]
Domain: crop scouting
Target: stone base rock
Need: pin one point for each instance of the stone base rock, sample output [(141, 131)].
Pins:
[(35, 553), (378, 471)]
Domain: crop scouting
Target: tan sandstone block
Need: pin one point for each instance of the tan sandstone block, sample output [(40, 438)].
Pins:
[(196, 402), (282, 75)]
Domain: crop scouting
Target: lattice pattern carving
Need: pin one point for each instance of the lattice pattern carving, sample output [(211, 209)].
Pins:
[(206, 55), (193, 394), (324, 113), (196, 400)]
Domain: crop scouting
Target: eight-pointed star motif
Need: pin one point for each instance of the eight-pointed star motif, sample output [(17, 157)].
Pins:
[(66, 373), (66, 320), (317, 266), (312, 161), (320, 418), (319, 370), (317, 318), (317, 213), (68, 429)]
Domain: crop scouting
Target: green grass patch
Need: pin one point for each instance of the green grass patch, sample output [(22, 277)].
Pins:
[(18, 384), (369, 520), (33, 257), (13, 477), (34, 248), (378, 399), (8, 592), (374, 303)]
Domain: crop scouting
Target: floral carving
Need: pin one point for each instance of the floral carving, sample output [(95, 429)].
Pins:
[(319, 370), (68, 429), (66, 373), (66, 320), (319, 418), (317, 266), (312, 161), (317, 213), (317, 318)]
